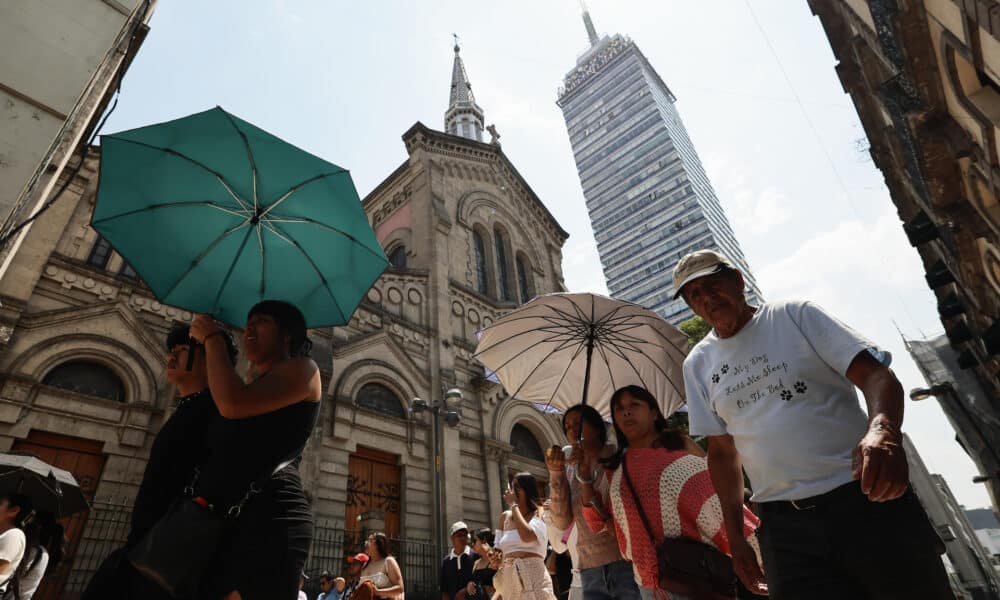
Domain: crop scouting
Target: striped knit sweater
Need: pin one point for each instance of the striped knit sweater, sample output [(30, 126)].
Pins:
[(674, 486)]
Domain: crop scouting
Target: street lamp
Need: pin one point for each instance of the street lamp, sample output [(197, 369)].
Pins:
[(450, 407), (947, 390)]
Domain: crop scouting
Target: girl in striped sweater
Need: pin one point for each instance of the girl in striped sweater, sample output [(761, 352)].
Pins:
[(672, 484)]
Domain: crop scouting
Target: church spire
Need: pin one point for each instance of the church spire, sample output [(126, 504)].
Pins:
[(589, 24), (464, 117)]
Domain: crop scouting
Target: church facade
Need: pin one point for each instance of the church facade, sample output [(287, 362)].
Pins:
[(82, 356)]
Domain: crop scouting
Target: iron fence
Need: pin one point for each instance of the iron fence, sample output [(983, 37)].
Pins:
[(105, 527)]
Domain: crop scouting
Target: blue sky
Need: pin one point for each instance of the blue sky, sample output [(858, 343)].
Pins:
[(779, 138)]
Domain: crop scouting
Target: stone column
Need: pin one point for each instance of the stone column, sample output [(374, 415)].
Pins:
[(496, 480)]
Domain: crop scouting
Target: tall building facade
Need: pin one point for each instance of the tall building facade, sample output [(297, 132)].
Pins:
[(924, 77), (82, 374), (649, 199)]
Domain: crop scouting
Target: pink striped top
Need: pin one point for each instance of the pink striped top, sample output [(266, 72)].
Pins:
[(674, 486)]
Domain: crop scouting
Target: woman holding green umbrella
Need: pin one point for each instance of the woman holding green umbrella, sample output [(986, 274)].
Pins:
[(264, 424)]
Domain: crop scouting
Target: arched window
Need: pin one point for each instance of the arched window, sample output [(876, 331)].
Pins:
[(482, 275), (377, 397), (504, 271), (522, 280), (85, 377), (526, 444), (397, 258)]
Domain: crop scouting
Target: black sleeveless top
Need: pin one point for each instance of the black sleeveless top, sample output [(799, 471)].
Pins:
[(243, 451)]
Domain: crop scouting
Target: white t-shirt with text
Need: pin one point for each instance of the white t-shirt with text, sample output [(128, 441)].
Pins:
[(779, 387)]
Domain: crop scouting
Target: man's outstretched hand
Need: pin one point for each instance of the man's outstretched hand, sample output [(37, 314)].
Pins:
[(880, 464)]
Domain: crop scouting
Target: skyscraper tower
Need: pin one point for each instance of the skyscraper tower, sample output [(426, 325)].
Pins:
[(649, 199)]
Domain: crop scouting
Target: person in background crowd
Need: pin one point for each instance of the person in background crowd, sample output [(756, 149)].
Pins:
[(46, 540), (178, 448), (673, 485), (457, 565), (382, 570), (326, 585), (522, 537), (773, 388), (480, 587), (565, 542), (16, 512), (604, 574), (302, 582), (355, 564)]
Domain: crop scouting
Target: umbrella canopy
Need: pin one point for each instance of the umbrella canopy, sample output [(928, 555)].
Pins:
[(216, 214), (564, 349), (51, 489)]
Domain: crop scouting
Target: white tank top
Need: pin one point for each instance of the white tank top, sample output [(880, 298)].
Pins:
[(509, 540)]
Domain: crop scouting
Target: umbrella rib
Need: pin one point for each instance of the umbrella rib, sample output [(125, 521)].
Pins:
[(632, 366), (263, 263), (229, 273), (239, 200), (569, 364), (299, 186), (253, 163), (170, 151), (505, 340), (327, 227), (655, 364), (558, 348), (322, 278), (171, 205), (197, 260)]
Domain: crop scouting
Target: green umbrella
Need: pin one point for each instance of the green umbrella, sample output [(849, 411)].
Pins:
[(216, 214)]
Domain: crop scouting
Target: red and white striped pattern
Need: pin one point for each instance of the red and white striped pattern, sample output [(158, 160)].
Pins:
[(676, 486)]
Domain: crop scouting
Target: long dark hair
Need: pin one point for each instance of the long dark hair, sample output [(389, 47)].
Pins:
[(290, 321), (41, 532), (527, 482), (485, 535), (26, 507), (590, 416), (381, 543), (669, 438)]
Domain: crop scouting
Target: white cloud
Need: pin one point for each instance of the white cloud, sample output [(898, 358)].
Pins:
[(758, 211), (582, 266)]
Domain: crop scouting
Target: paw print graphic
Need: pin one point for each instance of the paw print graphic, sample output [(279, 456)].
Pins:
[(786, 395), (715, 378), (724, 369), (800, 387)]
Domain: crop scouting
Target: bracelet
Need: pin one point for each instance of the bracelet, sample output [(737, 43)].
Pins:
[(209, 336), (582, 480)]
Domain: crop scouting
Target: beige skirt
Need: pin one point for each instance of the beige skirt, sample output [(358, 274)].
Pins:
[(523, 579)]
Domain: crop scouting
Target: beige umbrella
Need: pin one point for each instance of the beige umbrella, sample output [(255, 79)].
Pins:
[(560, 350)]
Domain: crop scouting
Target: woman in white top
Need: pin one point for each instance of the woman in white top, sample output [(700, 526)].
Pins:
[(45, 542), (523, 539), (382, 569), (15, 512)]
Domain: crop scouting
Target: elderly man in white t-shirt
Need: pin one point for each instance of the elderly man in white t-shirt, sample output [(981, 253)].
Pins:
[(773, 388)]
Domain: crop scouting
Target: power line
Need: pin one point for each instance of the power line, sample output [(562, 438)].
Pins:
[(819, 141)]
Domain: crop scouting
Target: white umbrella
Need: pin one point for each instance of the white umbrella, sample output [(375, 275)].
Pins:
[(565, 349)]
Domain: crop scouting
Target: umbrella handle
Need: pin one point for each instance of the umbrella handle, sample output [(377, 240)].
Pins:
[(586, 375)]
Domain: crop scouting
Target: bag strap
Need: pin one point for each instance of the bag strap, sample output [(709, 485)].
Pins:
[(635, 498), (255, 487)]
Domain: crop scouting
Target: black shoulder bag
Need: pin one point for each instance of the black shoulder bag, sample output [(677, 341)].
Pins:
[(688, 567), (179, 549)]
